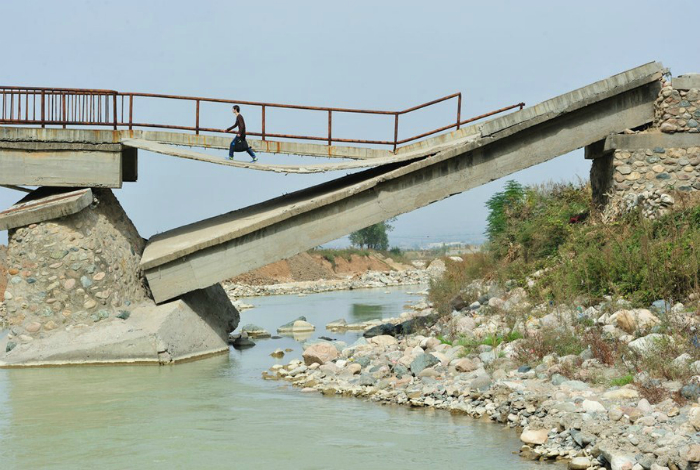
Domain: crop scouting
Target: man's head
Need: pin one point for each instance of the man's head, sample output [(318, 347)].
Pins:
[(236, 109)]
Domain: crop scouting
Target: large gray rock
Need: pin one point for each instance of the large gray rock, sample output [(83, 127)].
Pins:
[(255, 331), (300, 325), (195, 325), (423, 361), (647, 345)]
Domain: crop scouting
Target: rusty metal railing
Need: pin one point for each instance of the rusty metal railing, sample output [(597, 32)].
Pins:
[(91, 107)]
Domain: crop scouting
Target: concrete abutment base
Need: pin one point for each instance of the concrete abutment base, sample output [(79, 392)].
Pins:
[(75, 295)]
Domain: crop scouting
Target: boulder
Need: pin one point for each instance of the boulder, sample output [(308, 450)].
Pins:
[(300, 325), (464, 325), (591, 406), (693, 454), (690, 392), (255, 331), (383, 340), (630, 321), (338, 324), (423, 361), (579, 463), (386, 329), (277, 353), (320, 353), (694, 417), (465, 365), (243, 342), (436, 268), (647, 345), (534, 437), (458, 303), (621, 394), (413, 325), (496, 302)]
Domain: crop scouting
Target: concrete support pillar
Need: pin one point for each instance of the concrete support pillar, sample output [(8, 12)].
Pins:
[(601, 172)]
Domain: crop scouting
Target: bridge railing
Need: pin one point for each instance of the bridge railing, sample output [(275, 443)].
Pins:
[(94, 107)]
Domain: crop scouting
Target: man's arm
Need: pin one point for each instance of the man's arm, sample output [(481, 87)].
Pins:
[(229, 129)]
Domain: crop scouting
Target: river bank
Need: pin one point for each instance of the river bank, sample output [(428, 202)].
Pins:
[(366, 280), (569, 407)]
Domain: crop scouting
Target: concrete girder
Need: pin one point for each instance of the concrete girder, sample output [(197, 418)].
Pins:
[(651, 140), (65, 158)]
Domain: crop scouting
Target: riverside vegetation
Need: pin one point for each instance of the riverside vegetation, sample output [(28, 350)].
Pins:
[(582, 334)]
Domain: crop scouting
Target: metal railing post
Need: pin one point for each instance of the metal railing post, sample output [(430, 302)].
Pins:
[(263, 122), (330, 127), (459, 109), (114, 111), (396, 131), (131, 111), (43, 113), (63, 109), (196, 126)]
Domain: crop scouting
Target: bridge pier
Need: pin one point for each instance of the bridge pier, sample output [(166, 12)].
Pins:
[(65, 158), (76, 295), (651, 166)]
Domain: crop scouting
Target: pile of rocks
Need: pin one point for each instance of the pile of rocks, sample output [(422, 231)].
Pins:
[(369, 279), (677, 110), (576, 419), (562, 419), (653, 204)]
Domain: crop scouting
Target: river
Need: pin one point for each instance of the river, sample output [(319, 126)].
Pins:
[(219, 413)]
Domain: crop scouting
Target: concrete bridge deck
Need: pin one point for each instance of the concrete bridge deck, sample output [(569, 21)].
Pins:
[(204, 253)]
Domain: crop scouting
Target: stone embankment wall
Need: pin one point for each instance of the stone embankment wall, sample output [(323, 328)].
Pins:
[(80, 269), (651, 178), (677, 110)]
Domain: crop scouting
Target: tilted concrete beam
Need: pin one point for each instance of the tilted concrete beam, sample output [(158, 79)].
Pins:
[(207, 252), (45, 204)]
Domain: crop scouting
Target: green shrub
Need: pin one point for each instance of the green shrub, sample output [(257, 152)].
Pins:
[(620, 381)]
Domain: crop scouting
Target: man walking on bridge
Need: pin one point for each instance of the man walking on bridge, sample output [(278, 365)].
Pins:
[(239, 144)]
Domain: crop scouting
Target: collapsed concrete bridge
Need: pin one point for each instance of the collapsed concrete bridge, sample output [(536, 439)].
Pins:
[(73, 167), (204, 253)]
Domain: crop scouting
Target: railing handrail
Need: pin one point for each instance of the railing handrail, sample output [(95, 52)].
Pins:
[(84, 112)]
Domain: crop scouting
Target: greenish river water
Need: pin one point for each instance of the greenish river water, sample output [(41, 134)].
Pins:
[(219, 413)]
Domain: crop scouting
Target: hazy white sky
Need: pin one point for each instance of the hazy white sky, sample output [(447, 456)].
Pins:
[(364, 54)]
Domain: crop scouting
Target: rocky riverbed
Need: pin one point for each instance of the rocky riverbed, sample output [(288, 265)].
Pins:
[(368, 279), (564, 407)]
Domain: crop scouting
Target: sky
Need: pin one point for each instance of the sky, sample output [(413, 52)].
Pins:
[(361, 54)]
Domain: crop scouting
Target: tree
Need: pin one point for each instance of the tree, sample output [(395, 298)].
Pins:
[(501, 206), (373, 237)]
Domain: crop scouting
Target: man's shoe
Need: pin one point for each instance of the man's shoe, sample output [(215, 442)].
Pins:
[(230, 157), (255, 159)]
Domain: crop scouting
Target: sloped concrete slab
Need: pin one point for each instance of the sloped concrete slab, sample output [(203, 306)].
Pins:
[(45, 204)]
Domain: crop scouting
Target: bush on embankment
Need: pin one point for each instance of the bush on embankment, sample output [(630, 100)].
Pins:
[(550, 240)]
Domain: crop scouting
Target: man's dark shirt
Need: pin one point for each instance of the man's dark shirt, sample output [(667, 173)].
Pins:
[(240, 123)]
